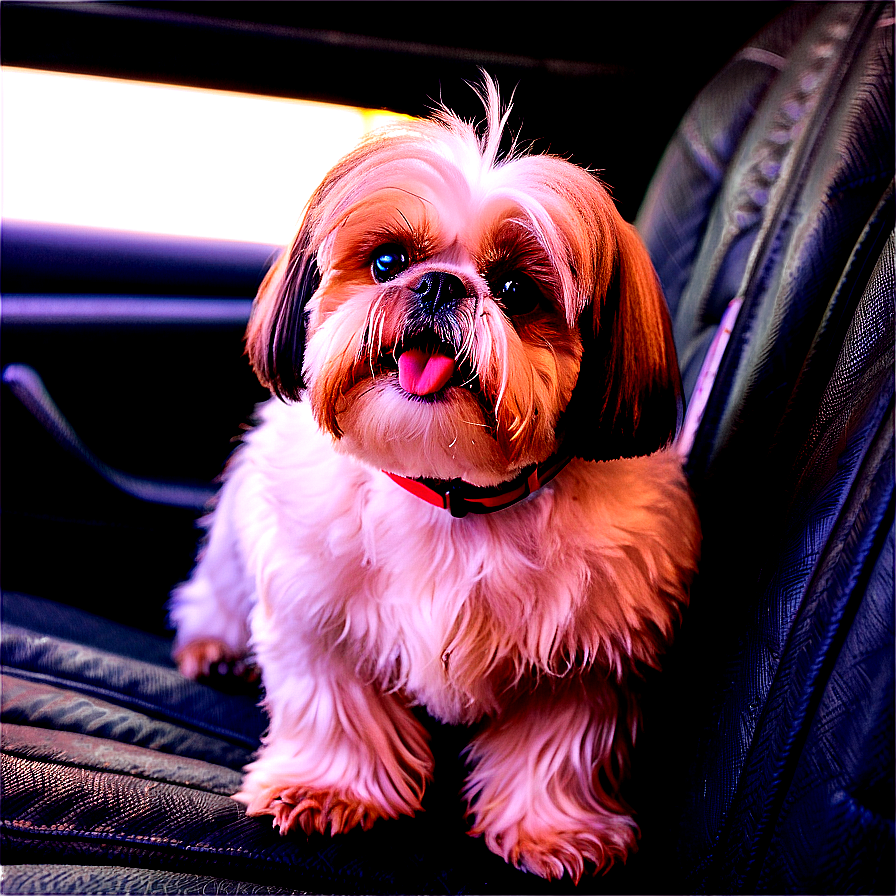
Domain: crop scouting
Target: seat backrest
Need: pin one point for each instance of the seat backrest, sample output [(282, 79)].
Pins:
[(774, 202)]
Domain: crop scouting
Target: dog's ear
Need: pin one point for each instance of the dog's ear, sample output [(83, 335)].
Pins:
[(627, 401), (275, 338)]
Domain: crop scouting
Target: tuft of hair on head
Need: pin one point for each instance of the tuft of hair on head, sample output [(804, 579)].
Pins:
[(496, 119), (488, 137)]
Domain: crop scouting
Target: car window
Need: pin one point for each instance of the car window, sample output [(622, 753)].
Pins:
[(154, 158)]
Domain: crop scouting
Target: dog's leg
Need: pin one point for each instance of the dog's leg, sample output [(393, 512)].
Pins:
[(339, 753), (211, 610), (545, 778)]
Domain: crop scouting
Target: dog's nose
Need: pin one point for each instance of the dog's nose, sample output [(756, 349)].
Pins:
[(438, 290)]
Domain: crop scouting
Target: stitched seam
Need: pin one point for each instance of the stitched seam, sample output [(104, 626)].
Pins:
[(59, 831), (137, 841), (46, 760), (127, 702), (784, 190)]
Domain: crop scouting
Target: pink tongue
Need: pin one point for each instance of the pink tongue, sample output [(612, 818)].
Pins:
[(424, 373)]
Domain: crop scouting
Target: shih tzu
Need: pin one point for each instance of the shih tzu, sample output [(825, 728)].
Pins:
[(461, 497)]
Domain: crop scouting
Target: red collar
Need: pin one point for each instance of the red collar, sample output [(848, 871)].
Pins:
[(461, 498)]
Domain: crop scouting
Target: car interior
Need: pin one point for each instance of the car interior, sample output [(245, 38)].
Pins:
[(752, 144)]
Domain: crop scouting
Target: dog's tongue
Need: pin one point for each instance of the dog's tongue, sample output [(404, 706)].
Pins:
[(423, 372)]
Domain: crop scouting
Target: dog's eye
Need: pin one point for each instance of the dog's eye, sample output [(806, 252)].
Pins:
[(517, 293), (388, 262)]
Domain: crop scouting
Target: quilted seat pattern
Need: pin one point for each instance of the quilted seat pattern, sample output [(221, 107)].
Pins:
[(105, 768)]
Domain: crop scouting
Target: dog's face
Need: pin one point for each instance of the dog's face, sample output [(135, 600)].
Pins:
[(449, 315)]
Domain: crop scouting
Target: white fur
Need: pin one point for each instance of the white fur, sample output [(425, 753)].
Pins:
[(367, 600), (358, 599)]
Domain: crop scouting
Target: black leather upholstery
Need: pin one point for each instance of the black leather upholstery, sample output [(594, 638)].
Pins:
[(767, 761), (783, 700)]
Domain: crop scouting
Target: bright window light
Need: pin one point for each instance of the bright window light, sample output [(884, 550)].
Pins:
[(153, 158)]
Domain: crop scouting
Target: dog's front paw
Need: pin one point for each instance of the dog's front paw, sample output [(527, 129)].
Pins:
[(553, 852), (297, 806), (544, 785), (212, 659)]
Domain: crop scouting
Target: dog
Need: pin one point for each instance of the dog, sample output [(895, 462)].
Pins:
[(463, 495)]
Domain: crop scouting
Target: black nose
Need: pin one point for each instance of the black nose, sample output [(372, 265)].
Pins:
[(439, 290)]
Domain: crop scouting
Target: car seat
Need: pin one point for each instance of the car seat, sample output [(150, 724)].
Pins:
[(766, 764), (771, 223)]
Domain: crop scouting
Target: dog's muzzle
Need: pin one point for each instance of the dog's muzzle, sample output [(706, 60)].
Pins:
[(427, 358)]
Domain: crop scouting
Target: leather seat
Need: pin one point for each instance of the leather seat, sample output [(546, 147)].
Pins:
[(767, 761), (781, 209)]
